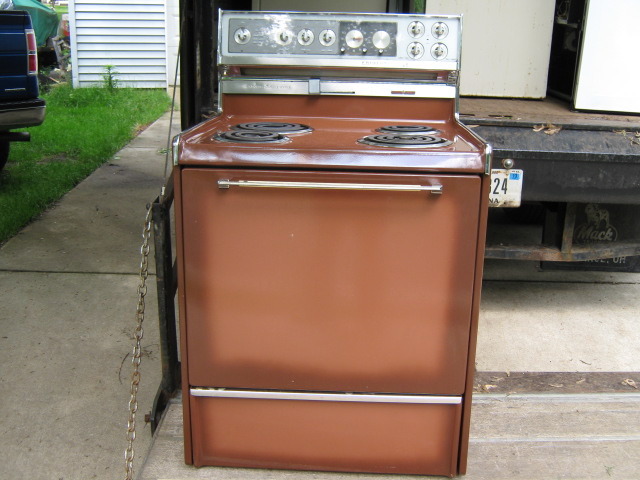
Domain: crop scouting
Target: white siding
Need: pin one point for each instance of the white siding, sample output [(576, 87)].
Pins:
[(130, 35), (173, 40)]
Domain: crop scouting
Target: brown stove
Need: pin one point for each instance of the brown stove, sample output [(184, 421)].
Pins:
[(330, 226)]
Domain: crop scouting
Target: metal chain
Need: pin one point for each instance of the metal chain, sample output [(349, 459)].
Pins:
[(129, 453)]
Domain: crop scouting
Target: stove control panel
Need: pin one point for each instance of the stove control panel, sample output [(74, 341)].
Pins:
[(424, 42)]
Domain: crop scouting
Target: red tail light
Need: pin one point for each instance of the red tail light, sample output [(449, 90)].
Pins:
[(32, 48)]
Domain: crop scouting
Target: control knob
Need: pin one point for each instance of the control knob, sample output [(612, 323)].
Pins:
[(416, 29), (381, 39), (284, 37), (305, 37), (242, 36), (440, 30), (415, 50), (439, 51), (327, 37), (354, 38)]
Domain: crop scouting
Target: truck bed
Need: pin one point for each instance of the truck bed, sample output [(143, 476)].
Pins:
[(573, 162), (524, 113), (591, 157)]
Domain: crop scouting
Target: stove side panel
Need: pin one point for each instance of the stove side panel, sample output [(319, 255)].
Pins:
[(182, 315)]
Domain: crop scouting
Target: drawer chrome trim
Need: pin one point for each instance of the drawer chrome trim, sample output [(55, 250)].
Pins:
[(326, 397)]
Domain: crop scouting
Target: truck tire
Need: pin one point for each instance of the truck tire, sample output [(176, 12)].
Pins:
[(4, 154)]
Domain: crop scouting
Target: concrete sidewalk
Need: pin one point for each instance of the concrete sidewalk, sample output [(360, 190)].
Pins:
[(68, 290), (68, 293)]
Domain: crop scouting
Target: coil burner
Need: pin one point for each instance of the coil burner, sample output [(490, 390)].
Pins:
[(405, 141), (275, 127), (409, 129), (249, 136)]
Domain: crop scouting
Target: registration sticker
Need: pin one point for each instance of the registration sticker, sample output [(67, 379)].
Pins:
[(506, 188)]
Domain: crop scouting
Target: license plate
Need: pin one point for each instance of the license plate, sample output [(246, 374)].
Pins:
[(506, 188)]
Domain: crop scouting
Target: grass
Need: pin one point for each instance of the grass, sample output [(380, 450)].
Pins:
[(83, 128), (60, 9)]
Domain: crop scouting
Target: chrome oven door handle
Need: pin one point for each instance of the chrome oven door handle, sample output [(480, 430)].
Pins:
[(226, 183)]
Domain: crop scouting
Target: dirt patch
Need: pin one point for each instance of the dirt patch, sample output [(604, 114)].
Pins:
[(556, 382), (54, 159)]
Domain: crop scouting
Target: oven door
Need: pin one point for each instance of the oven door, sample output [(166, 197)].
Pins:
[(328, 281)]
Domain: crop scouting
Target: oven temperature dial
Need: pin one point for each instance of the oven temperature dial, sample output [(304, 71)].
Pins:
[(305, 37), (242, 36), (284, 37), (416, 29), (381, 39), (439, 30), (354, 38), (439, 51), (415, 50), (327, 37)]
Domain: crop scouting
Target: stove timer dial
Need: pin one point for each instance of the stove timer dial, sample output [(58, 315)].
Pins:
[(354, 38)]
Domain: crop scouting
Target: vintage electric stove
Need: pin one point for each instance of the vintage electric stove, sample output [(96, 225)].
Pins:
[(330, 224)]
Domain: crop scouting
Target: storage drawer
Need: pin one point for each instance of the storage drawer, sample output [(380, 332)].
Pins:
[(335, 432)]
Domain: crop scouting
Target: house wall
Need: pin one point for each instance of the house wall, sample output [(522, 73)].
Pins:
[(173, 40), (129, 36)]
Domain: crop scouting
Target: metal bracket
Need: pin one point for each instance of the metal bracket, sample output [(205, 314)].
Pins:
[(166, 283)]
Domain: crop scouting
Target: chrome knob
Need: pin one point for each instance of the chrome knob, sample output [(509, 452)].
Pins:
[(415, 50), (416, 29), (381, 39), (284, 37), (327, 37), (354, 39), (242, 36), (439, 30), (439, 51), (305, 37)]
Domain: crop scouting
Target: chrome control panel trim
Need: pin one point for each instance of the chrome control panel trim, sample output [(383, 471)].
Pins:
[(244, 85), (358, 40)]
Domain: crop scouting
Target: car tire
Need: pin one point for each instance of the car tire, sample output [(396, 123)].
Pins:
[(4, 154)]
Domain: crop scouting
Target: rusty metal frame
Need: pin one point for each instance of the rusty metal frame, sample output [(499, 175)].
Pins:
[(166, 283)]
